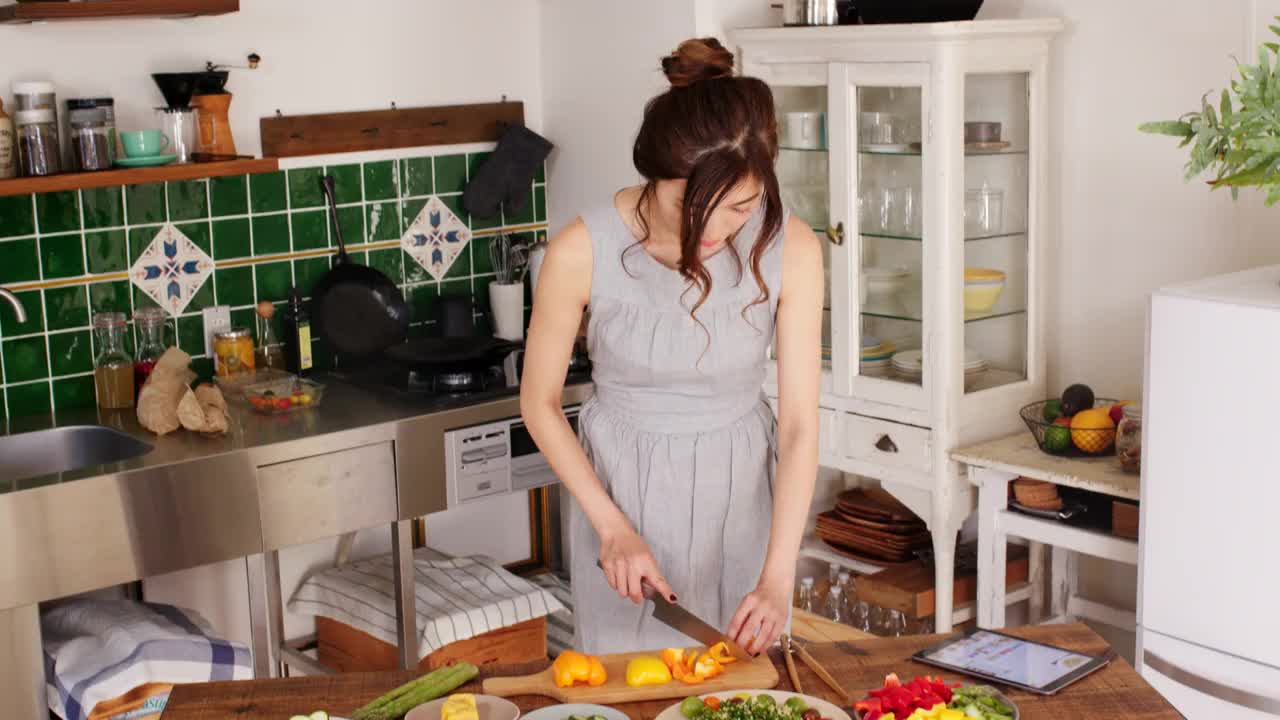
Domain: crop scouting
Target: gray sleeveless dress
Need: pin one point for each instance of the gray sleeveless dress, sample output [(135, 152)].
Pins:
[(679, 431)]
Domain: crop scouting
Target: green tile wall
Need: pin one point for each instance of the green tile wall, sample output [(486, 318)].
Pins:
[(68, 253)]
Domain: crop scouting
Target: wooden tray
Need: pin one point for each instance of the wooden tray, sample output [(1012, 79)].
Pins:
[(895, 527), (836, 524), (758, 673), (911, 588), (875, 504), (869, 559)]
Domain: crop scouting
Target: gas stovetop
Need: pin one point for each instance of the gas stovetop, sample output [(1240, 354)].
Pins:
[(455, 384)]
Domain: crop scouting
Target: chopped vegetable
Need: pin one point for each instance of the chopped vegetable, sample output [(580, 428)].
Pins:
[(898, 700), (647, 670), (414, 693), (317, 715), (692, 707), (979, 702), (460, 707), (573, 667), (744, 706), (720, 651)]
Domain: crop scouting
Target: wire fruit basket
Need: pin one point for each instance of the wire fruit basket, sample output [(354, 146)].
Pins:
[(1056, 438)]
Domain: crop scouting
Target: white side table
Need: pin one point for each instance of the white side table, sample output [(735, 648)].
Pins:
[(992, 466)]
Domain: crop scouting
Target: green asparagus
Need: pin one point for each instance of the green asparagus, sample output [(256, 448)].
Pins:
[(401, 700)]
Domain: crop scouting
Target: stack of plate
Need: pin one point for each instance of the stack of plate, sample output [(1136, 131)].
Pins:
[(909, 365), (871, 524), (876, 357)]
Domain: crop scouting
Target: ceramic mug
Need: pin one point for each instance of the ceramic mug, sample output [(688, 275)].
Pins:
[(144, 143), (804, 130)]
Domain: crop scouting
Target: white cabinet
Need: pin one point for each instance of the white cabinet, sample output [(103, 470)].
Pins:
[(929, 177)]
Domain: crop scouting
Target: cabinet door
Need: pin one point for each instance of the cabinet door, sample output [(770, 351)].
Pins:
[(881, 195)]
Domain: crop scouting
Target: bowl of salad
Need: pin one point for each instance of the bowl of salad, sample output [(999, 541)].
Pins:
[(932, 698), (753, 705)]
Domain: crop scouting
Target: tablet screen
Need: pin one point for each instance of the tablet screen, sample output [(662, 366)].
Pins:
[(1011, 659)]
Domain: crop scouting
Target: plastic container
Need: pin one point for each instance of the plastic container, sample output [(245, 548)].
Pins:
[(1129, 439), (279, 397)]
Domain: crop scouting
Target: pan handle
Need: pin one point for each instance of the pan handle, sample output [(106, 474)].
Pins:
[(326, 187)]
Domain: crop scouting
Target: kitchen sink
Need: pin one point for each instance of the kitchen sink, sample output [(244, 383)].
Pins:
[(45, 452)]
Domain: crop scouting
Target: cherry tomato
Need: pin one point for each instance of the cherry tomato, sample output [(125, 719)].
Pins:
[(712, 702), (283, 403)]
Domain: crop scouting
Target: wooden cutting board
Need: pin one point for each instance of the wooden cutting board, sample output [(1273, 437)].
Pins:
[(758, 674)]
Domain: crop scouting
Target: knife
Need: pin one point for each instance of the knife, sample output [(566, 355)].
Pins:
[(683, 621)]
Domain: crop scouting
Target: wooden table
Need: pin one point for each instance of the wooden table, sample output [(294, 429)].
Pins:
[(1113, 692), (992, 466)]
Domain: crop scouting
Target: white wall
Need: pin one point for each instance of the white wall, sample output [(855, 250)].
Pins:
[(600, 65), (317, 56)]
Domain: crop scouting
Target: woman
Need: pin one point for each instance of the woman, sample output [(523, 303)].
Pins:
[(683, 480)]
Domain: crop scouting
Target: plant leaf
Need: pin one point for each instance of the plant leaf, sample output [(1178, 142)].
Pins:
[(1176, 128)]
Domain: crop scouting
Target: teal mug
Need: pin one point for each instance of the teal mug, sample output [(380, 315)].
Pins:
[(144, 143)]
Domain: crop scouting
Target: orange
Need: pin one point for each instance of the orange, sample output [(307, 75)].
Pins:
[(1093, 430)]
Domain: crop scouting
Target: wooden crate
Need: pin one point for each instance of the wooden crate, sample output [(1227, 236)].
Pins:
[(910, 588), (347, 649), (1124, 519)]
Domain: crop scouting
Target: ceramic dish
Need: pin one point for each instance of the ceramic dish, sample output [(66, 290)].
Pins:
[(489, 707), (982, 289), (582, 710), (884, 281), (147, 161), (824, 708), (885, 147)]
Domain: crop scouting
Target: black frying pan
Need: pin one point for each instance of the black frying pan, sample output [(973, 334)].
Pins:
[(355, 308)]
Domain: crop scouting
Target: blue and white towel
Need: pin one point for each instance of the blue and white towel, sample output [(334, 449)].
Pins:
[(456, 598), (97, 650)]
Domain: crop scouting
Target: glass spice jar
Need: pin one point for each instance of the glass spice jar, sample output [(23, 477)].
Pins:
[(37, 138), (112, 368), (90, 141), (234, 351), (1129, 439)]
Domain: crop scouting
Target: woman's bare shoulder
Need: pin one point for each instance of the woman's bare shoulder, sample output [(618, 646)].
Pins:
[(801, 246)]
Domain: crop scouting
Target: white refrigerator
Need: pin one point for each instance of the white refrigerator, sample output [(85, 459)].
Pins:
[(1209, 557)]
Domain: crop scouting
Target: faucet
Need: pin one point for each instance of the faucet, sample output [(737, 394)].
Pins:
[(18, 309)]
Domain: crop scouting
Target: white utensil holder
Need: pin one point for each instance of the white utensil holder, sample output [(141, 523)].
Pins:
[(506, 300)]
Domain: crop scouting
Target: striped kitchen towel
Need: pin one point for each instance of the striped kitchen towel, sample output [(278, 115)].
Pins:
[(118, 658), (559, 624), (456, 598)]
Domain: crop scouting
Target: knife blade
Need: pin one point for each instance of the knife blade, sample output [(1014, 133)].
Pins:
[(683, 621)]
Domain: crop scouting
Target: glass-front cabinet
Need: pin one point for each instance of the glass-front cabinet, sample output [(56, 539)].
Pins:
[(919, 154)]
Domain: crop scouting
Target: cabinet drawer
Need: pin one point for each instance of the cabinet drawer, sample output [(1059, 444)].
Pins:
[(887, 443), (327, 495)]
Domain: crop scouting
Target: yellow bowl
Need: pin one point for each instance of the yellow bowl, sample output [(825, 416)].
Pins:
[(982, 288)]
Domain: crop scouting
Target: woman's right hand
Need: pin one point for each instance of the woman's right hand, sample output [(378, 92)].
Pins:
[(628, 563)]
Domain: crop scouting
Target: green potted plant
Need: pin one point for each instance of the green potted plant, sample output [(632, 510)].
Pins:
[(1238, 142)]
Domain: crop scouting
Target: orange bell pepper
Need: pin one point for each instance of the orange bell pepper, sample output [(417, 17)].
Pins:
[(573, 667), (707, 667), (720, 651), (673, 657), (596, 677)]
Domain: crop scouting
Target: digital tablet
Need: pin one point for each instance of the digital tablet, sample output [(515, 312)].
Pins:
[(997, 657)]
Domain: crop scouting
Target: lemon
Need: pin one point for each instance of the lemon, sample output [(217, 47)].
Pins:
[(1093, 430), (460, 707)]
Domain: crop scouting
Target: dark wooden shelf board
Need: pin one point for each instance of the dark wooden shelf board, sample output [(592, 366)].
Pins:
[(136, 176), (29, 12)]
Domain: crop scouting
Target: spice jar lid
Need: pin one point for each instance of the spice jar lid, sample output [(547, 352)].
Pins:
[(33, 87), (234, 333), (108, 319), (33, 117), (90, 116), (149, 316), (1133, 411), (82, 104)]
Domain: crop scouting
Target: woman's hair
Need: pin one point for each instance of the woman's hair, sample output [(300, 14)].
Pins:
[(714, 130)]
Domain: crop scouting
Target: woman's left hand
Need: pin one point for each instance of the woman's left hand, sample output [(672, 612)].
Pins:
[(761, 616)]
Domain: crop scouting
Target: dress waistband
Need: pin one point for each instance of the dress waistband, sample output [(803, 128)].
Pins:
[(675, 413)]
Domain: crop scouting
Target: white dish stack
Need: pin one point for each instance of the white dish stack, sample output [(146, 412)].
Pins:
[(909, 366)]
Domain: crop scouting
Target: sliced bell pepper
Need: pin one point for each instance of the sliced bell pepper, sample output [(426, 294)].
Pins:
[(570, 667), (673, 657), (720, 651), (596, 676)]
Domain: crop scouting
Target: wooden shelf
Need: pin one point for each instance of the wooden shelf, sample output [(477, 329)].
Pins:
[(29, 12), (136, 176)]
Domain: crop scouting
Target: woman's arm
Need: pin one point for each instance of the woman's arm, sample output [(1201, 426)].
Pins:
[(763, 614), (564, 287)]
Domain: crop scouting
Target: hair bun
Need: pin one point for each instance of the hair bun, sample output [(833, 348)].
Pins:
[(696, 60)]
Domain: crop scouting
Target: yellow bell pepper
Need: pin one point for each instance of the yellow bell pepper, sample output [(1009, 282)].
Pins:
[(573, 667), (647, 670)]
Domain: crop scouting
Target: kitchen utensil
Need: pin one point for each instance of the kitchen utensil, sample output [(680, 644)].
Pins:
[(356, 308), (809, 12), (1033, 416), (213, 128), (805, 130), (211, 82), (824, 709), (821, 672), (144, 143), (179, 124), (150, 161), (874, 12), (686, 622), (582, 710), (455, 317), (506, 302), (787, 651), (981, 131), (488, 707), (436, 352), (176, 88), (509, 257), (755, 673)]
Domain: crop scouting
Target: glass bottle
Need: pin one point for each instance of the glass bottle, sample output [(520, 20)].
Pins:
[(804, 596), (835, 608), (297, 335), (1129, 439), (8, 146), (150, 324), (269, 353), (112, 368)]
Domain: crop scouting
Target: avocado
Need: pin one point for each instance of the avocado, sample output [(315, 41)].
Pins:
[(1076, 398)]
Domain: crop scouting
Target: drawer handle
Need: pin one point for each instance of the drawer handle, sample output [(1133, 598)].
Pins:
[(886, 444), (1199, 683)]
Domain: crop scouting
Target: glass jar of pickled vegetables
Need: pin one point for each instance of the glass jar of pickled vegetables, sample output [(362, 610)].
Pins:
[(1129, 439), (234, 351)]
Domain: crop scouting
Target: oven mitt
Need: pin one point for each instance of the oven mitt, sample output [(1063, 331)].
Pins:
[(506, 176)]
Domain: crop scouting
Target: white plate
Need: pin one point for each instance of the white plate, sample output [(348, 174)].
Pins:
[(489, 707), (562, 712), (829, 711)]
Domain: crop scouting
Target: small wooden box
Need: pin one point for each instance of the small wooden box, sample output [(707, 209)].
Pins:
[(910, 588), (1124, 519), (347, 649)]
